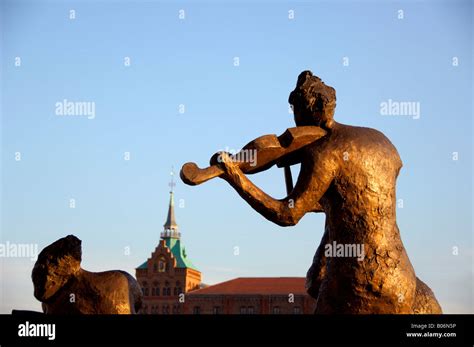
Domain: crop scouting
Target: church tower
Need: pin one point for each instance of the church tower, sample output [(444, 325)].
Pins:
[(168, 273)]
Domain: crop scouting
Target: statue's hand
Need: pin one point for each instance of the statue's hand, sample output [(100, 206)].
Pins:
[(225, 161)]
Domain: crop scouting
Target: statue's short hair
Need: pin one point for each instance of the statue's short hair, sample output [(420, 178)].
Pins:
[(312, 95)]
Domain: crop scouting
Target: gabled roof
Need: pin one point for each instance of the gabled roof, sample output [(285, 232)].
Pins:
[(144, 265), (256, 285), (179, 253)]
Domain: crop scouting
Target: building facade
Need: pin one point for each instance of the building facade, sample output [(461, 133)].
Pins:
[(252, 295), (171, 284), (168, 274)]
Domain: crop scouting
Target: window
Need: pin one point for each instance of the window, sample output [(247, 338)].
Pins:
[(216, 310), (157, 291), (196, 310), (276, 310), (153, 291), (243, 310), (162, 265), (177, 289), (155, 267), (296, 310), (250, 310), (145, 291)]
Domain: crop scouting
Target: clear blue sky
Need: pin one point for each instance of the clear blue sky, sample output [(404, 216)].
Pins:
[(123, 203)]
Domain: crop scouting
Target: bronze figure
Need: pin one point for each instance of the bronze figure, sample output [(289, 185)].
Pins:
[(349, 173), (65, 288)]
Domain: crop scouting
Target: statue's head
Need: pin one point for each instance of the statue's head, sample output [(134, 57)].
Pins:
[(313, 101), (56, 265)]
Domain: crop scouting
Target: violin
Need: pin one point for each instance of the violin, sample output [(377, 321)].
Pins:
[(258, 155)]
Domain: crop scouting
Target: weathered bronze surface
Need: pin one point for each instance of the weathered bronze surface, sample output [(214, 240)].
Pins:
[(350, 175), (270, 148), (65, 288)]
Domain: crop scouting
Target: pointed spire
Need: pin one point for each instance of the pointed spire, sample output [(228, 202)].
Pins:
[(170, 223), (170, 226)]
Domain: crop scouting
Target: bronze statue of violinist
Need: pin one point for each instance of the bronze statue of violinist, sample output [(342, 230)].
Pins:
[(349, 173)]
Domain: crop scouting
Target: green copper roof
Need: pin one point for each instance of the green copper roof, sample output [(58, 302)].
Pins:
[(143, 266), (179, 252)]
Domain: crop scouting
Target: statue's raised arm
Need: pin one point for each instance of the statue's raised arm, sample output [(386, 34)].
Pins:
[(350, 174)]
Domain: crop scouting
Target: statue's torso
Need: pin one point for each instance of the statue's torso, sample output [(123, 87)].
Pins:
[(360, 208)]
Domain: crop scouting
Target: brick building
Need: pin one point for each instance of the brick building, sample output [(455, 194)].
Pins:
[(252, 295), (171, 284), (168, 272)]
